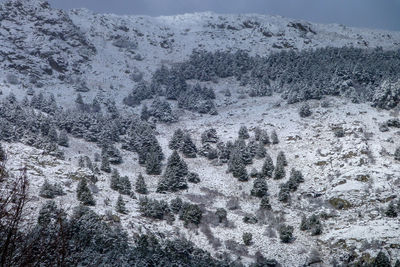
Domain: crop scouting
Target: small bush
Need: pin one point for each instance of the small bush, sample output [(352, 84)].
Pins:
[(153, 208), (286, 233), (191, 214), (247, 238), (305, 111)]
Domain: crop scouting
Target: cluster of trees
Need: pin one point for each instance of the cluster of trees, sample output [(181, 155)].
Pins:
[(311, 224), (42, 124), (169, 84), (296, 177), (358, 74), (84, 239), (159, 209)]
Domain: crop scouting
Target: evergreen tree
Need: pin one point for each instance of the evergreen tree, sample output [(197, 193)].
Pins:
[(193, 177), (105, 164), (81, 162), (397, 264), (46, 190), (284, 193), (176, 205), (221, 214), (247, 238), (281, 159), (280, 172), (125, 185), (264, 138), (153, 163), (264, 204), (2, 154), (63, 139), (177, 140), (391, 211), (209, 136), (83, 193), (243, 132), (189, 149), (79, 102), (295, 179), (237, 167), (96, 106), (144, 114), (274, 138), (120, 206), (140, 186), (286, 233), (305, 111), (53, 136), (257, 133), (268, 167), (260, 187), (115, 182), (261, 151), (381, 260), (174, 177), (397, 154)]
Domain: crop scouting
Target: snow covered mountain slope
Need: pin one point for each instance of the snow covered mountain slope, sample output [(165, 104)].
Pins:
[(82, 50), (345, 150)]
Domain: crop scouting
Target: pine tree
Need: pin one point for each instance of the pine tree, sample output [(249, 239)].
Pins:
[(247, 238), (243, 132), (81, 162), (279, 171), (79, 102), (284, 193), (397, 264), (268, 167), (260, 187), (2, 154), (264, 138), (189, 149), (286, 233), (261, 151), (193, 177), (125, 186), (237, 167), (153, 164), (281, 159), (174, 177), (391, 211), (144, 114), (53, 136), (397, 154), (176, 205), (140, 186), (83, 193), (46, 190), (115, 182), (305, 111), (274, 138), (381, 260), (63, 139), (105, 164), (176, 140), (120, 206), (257, 133), (264, 204)]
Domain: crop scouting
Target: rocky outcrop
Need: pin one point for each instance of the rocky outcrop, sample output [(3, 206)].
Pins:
[(37, 41)]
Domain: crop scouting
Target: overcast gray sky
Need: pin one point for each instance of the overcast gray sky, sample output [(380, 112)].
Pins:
[(383, 14)]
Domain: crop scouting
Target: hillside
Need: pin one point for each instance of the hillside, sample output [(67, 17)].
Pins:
[(81, 91)]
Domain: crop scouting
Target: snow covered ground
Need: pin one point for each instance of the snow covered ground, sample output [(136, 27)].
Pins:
[(357, 169)]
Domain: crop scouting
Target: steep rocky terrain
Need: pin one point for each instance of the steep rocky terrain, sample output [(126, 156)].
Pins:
[(344, 150)]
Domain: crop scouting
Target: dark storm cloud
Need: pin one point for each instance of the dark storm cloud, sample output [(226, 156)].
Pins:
[(384, 14)]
